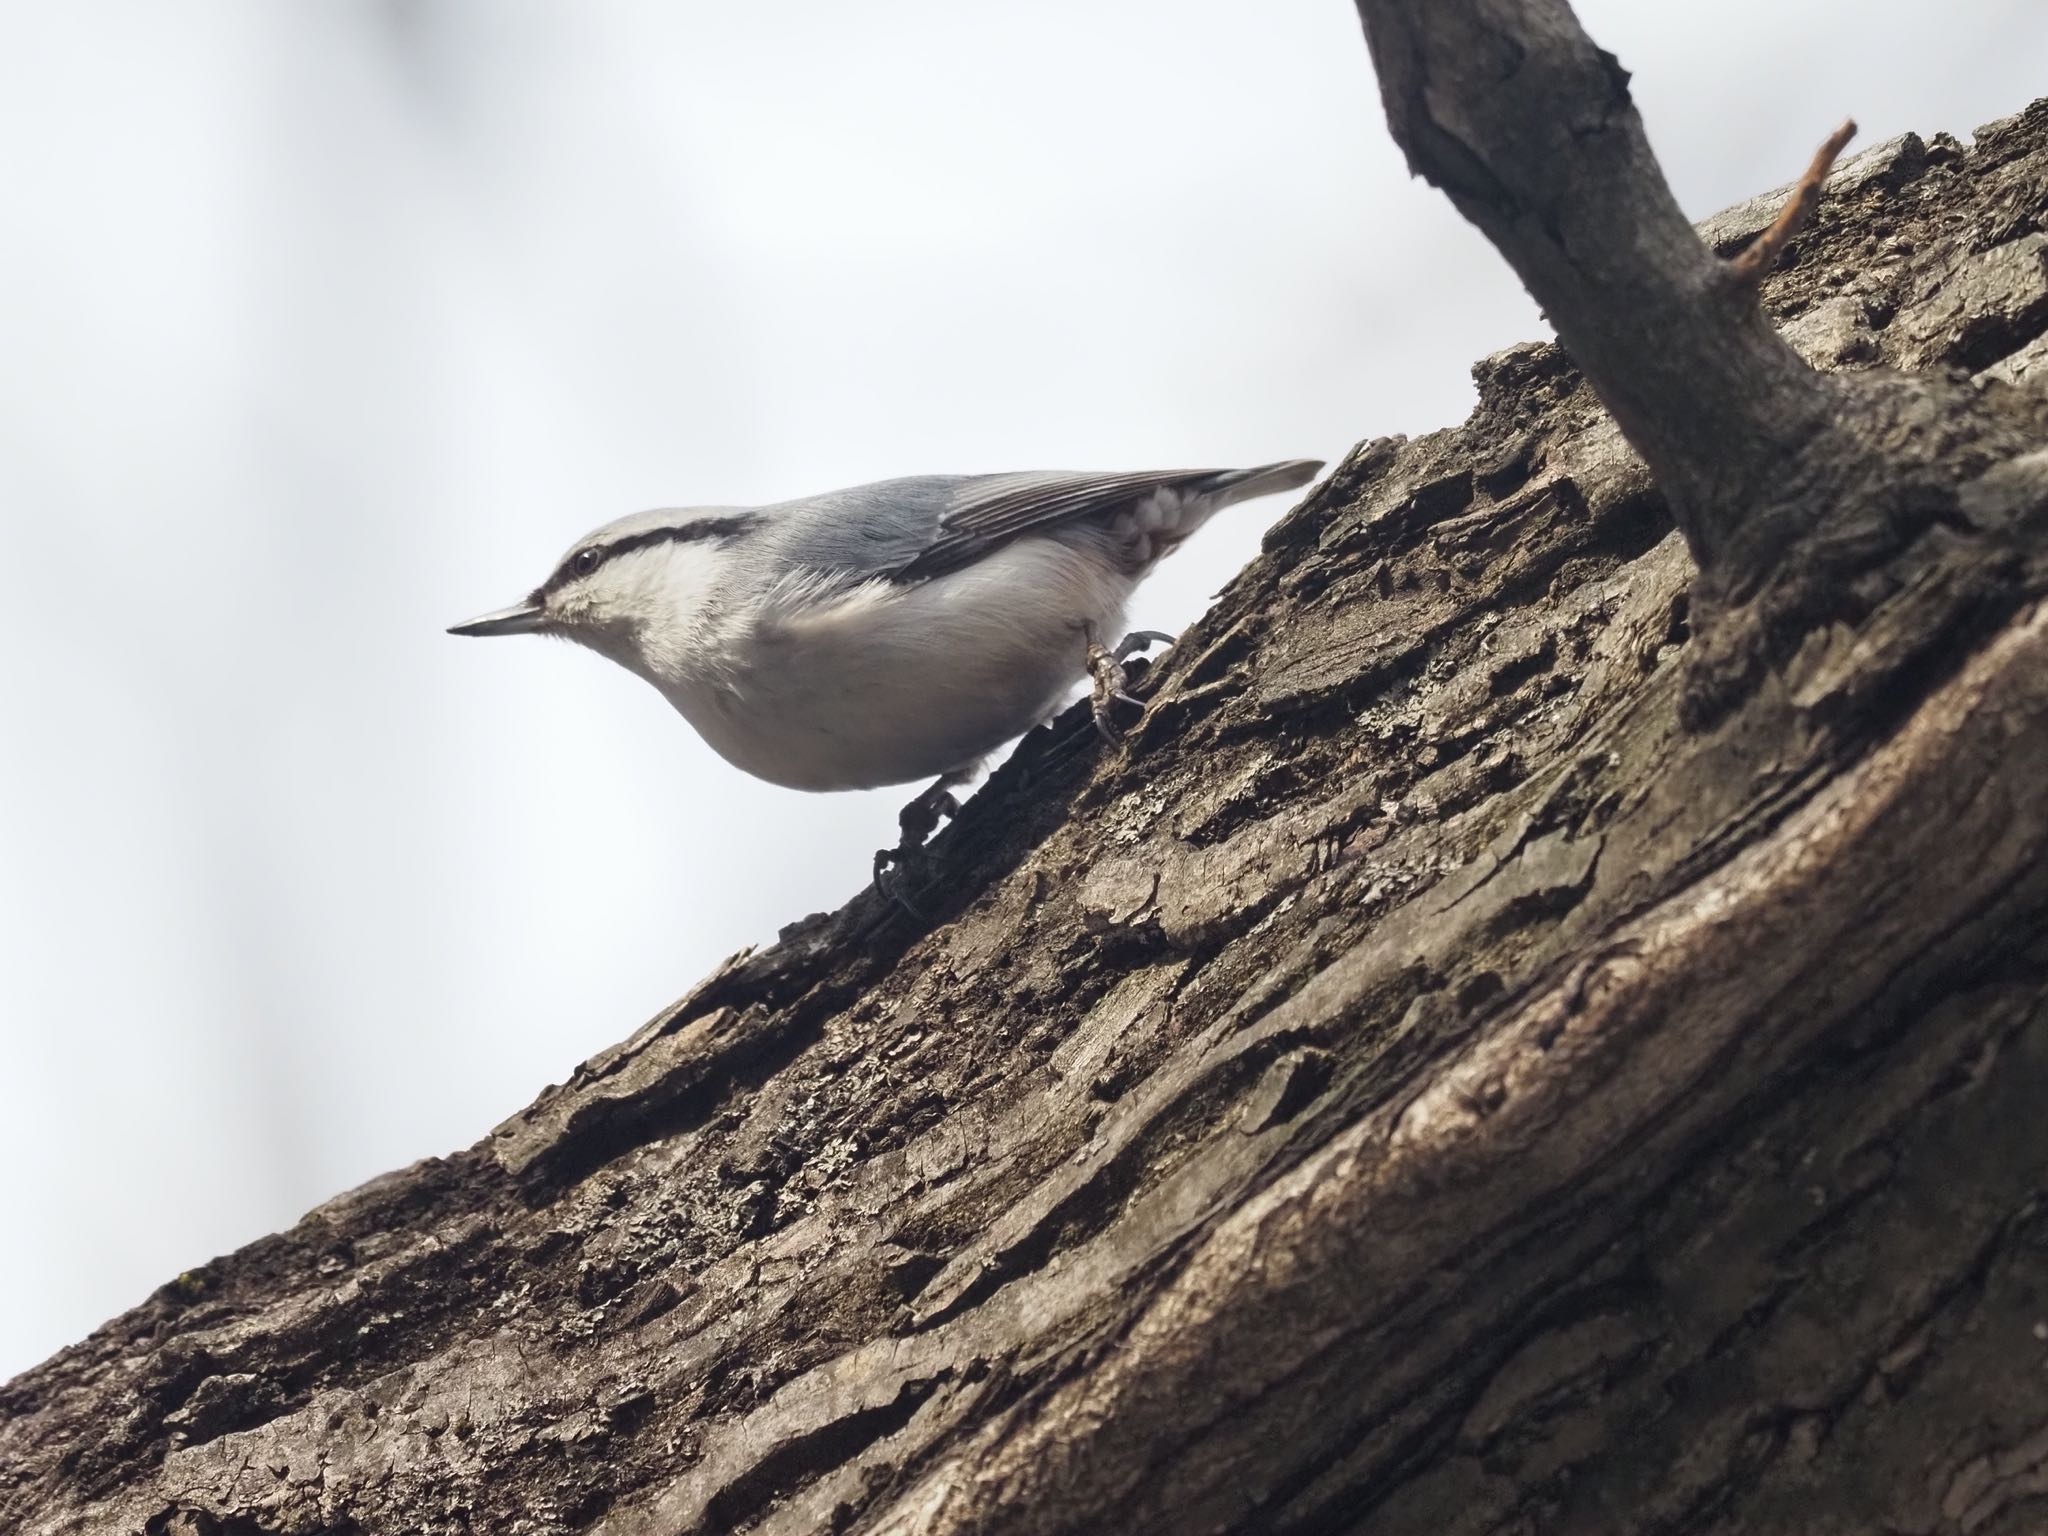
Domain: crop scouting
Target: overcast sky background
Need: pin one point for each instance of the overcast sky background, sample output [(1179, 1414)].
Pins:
[(327, 324)]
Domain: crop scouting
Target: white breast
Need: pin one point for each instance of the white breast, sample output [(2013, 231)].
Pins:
[(893, 684)]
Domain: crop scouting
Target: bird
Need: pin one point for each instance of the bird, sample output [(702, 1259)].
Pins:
[(884, 633)]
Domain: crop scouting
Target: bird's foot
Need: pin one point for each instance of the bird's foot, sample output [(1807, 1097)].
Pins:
[(1106, 669), (892, 866), (920, 819), (917, 821)]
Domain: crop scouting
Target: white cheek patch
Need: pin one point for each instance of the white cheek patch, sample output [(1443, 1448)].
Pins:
[(647, 610)]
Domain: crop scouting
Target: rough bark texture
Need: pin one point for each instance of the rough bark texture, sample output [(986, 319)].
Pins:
[(1416, 1085), (1808, 500)]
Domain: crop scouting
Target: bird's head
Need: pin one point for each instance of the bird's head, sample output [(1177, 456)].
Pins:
[(638, 590)]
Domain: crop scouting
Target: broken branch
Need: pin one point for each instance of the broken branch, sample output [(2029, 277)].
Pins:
[(1755, 260)]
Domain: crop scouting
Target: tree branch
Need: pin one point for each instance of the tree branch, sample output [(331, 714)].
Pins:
[(1807, 499), (1754, 261), (1528, 127)]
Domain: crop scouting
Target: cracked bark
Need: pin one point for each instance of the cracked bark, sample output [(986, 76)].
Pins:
[(1440, 1075)]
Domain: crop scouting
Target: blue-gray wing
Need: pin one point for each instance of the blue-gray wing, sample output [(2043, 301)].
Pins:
[(924, 526), (991, 510)]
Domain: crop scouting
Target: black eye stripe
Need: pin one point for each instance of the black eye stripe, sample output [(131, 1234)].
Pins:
[(585, 561)]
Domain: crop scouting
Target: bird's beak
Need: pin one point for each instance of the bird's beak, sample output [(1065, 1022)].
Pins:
[(522, 618)]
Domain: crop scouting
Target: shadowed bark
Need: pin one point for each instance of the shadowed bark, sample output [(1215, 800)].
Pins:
[(1524, 1035)]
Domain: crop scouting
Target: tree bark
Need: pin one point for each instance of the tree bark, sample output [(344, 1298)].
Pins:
[(1526, 1034), (1808, 500)]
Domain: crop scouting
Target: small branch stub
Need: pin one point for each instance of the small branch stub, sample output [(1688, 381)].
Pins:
[(1754, 261), (1529, 128)]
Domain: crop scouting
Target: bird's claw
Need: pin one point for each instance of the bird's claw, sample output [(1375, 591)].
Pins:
[(890, 864), (1106, 670), (1137, 640), (917, 821), (920, 819)]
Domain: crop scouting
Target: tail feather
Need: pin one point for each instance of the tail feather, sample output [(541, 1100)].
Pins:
[(1160, 523), (1234, 485)]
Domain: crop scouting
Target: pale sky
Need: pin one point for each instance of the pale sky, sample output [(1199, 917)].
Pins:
[(328, 324)]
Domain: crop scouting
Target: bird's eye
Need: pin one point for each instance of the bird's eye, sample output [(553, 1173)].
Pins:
[(585, 562)]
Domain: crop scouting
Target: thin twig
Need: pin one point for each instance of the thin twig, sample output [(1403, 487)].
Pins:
[(1749, 264)]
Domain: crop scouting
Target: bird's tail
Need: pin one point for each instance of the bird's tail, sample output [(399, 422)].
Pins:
[(1235, 485), (1163, 521)]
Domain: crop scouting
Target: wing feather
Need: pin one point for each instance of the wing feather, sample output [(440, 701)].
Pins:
[(993, 509)]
